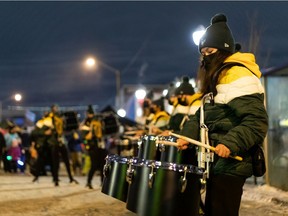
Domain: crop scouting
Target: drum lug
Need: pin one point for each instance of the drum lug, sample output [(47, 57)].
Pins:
[(106, 169), (129, 173), (183, 181), (161, 147), (203, 180), (151, 176)]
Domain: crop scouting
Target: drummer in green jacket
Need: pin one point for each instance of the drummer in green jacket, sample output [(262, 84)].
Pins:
[(236, 121)]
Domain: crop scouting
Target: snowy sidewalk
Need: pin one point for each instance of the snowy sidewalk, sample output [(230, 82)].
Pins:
[(19, 196), (264, 192)]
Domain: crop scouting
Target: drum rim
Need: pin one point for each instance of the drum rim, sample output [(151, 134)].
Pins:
[(169, 166), (117, 158)]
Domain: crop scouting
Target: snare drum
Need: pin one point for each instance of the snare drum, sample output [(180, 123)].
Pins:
[(114, 182), (164, 189)]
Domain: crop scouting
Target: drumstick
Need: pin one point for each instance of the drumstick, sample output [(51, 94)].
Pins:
[(164, 142), (130, 132), (195, 142)]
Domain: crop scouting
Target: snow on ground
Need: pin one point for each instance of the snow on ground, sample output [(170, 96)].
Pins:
[(19, 196)]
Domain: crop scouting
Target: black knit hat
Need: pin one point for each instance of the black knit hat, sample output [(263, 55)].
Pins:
[(218, 35), (185, 87), (90, 109)]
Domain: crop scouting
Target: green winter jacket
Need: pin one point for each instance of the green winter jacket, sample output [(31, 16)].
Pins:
[(238, 118)]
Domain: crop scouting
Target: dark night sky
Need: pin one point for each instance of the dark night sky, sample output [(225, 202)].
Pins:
[(43, 44)]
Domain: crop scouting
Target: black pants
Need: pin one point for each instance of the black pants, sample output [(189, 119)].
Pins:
[(223, 195), (97, 157), (6, 163), (56, 152), (37, 166)]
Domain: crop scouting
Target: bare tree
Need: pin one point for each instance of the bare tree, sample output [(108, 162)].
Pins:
[(256, 31)]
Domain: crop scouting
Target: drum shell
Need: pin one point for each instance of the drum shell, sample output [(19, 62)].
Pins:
[(114, 182), (127, 148), (165, 197), (170, 153), (148, 148)]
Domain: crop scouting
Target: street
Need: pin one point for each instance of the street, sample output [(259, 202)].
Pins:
[(19, 196)]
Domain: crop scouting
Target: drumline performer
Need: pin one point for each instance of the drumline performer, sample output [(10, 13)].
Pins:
[(56, 142), (185, 102), (160, 119), (236, 120), (92, 133)]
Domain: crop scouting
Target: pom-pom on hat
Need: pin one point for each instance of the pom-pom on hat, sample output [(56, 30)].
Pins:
[(90, 109), (218, 35), (185, 87)]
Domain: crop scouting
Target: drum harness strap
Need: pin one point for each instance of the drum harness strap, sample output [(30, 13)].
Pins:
[(205, 156)]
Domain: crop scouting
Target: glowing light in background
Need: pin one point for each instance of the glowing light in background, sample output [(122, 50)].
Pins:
[(121, 112), (18, 97), (196, 35), (140, 94), (90, 62)]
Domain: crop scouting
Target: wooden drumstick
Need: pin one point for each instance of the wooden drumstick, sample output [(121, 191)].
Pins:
[(195, 142), (130, 132), (164, 142)]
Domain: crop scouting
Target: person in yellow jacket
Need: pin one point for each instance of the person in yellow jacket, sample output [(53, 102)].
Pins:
[(236, 120), (93, 139), (55, 141), (160, 120)]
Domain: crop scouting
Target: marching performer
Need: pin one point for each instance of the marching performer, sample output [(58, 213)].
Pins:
[(180, 107), (160, 119), (236, 121), (94, 144), (185, 103), (56, 143)]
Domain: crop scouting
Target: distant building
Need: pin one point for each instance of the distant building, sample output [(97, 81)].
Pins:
[(20, 117)]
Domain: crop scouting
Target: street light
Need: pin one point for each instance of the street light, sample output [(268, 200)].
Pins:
[(200, 31), (92, 62), (17, 97)]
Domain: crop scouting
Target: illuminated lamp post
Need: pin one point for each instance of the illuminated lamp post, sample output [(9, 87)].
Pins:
[(17, 97), (92, 63)]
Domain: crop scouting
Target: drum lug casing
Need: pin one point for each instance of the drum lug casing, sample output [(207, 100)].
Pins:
[(183, 181), (151, 176), (130, 173)]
